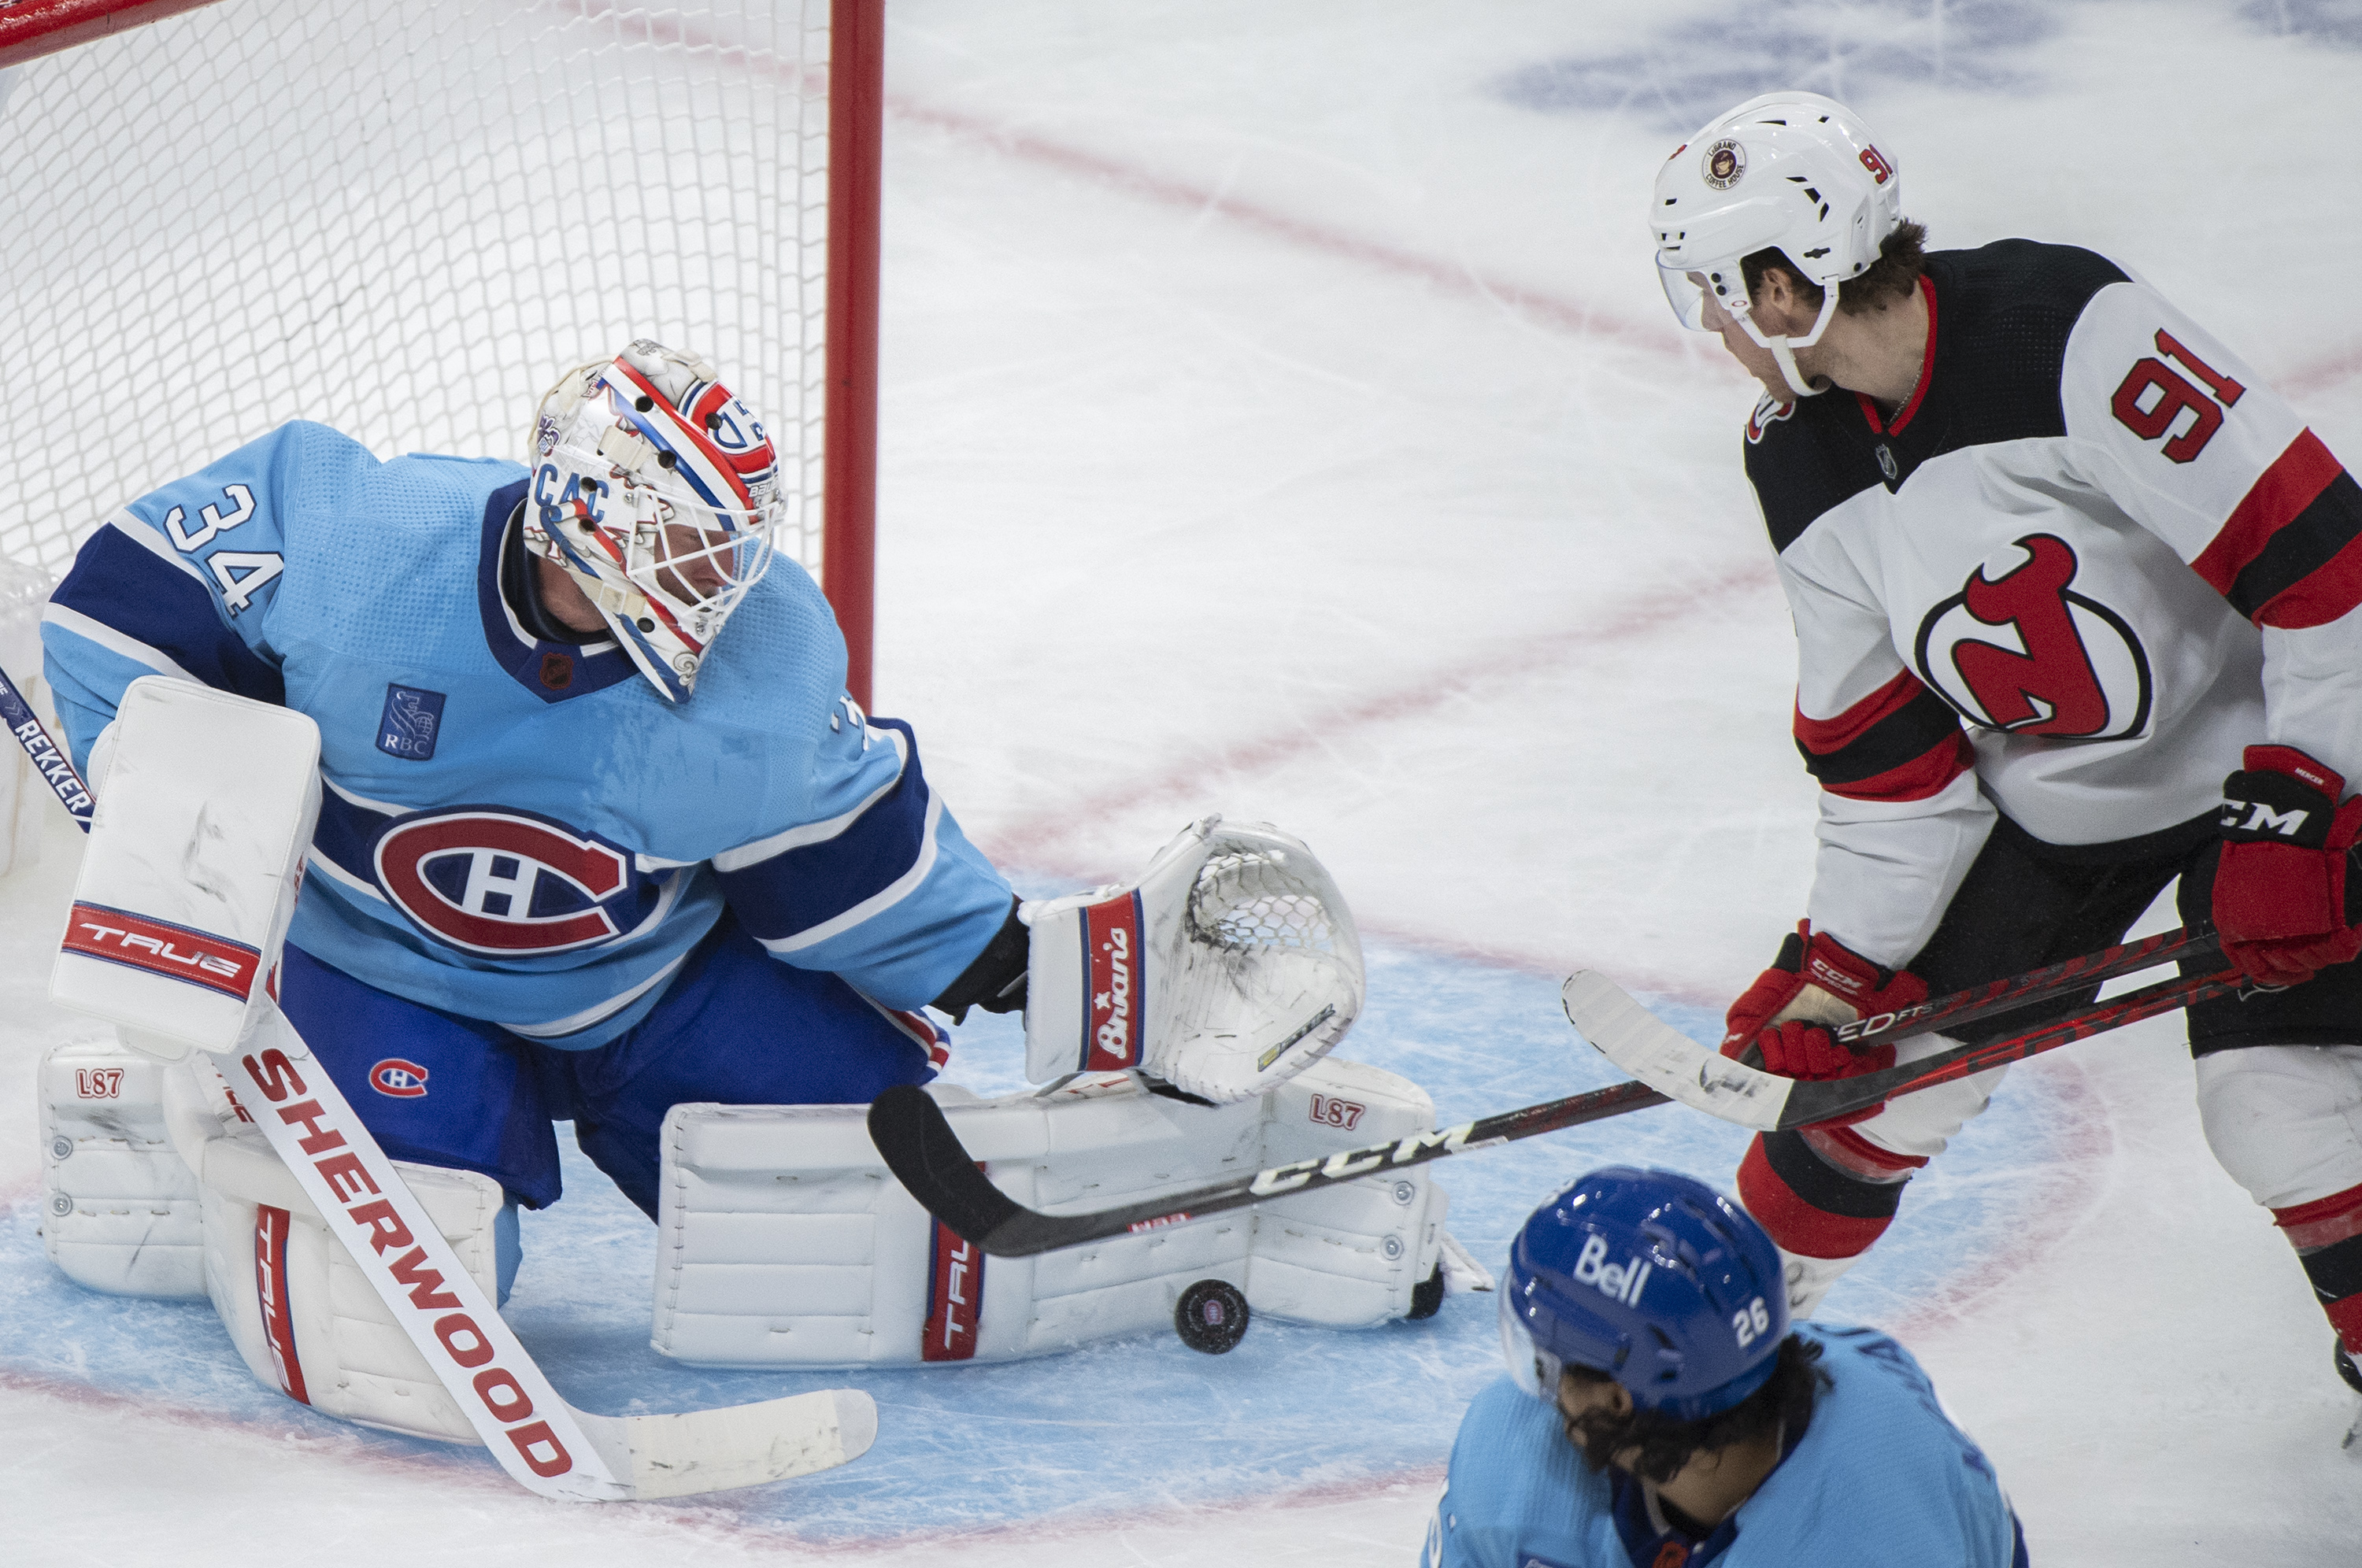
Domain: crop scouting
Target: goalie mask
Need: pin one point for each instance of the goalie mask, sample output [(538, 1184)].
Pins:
[(657, 491), (1791, 170)]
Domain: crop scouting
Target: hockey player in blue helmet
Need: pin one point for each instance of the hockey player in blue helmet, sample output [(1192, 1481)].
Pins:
[(1660, 1410)]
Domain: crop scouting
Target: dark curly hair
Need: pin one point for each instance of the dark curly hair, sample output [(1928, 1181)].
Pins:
[(1902, 257), (1664, 1444)]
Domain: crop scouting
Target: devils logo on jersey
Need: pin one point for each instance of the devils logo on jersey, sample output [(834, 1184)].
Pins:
[(505, 882), (2022, 652)]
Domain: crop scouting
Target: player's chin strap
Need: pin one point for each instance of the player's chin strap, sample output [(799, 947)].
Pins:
[(1783, 348), (179, 914)]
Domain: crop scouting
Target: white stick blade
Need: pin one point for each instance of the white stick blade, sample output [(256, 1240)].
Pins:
[(1667, 1060), (740, 1445)]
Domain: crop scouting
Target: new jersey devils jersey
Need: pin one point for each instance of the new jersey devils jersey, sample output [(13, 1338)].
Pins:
[(516, 830), (2092, 538)]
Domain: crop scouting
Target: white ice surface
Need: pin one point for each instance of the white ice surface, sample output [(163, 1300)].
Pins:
[(1280, 417)]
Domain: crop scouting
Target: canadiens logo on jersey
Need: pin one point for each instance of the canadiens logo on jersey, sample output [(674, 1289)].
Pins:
[(2017, 649), (505, 882)]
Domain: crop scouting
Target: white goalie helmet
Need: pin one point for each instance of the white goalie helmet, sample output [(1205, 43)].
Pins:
[(657, 491), (1793, 170)]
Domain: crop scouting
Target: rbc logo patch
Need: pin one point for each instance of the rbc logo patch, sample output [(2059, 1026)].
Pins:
[(400, 1080), (499, 881), (407, 728)]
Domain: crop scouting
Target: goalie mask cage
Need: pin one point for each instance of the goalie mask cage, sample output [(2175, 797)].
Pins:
[(406, 221)]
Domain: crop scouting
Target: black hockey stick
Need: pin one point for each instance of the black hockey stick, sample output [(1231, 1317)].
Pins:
[(1977, 1003), (926, 1155), (1657, 1054), (919, 1146), (50, 759)]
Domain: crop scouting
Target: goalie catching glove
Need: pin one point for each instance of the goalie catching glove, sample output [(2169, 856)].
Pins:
[(1815, 983), (1228, 967)]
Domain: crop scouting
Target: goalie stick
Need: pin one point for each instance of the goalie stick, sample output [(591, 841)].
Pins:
[(919, 1146), (1662, 1057), (546, 1444), (50, 760)]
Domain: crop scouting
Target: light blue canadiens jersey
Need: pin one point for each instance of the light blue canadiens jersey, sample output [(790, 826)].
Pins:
[(516, 831), (1880, 1477)]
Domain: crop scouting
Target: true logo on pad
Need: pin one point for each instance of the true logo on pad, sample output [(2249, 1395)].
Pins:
[(161, 947)]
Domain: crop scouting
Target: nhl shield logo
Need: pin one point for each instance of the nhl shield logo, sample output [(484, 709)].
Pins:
[(1725, 164), (502, 882)]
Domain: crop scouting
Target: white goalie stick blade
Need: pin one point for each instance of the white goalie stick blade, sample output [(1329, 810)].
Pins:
[(1668, 1060), (547, 1445)]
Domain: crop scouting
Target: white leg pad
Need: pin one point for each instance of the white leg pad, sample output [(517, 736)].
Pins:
[(786, 1243), (2285, 1120), (1921, 1124), (121, 1213), (297, 1307)]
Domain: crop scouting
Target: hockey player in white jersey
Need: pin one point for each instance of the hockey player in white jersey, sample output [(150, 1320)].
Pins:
[(601, 835), (1661, 1411), (2058, 564)]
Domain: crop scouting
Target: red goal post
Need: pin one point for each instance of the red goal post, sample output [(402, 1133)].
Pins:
[(405, 220)]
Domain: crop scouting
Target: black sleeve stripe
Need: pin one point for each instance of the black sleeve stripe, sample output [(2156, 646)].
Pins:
[(2309, 541), (1906, 735)]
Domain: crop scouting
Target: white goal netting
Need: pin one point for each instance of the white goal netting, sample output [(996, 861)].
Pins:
[(400, 220)]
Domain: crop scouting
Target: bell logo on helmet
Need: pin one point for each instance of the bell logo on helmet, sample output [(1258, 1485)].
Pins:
[(1622, 1281), (504, 882), (1726, 164)]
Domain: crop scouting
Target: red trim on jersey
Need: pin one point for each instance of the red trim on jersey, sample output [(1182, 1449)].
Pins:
[(2322, 1222), (1915, 779), (1822, 737), (1927, 374), (2294, 482), (1925, 776), (2323, 594), (1795, 1224)]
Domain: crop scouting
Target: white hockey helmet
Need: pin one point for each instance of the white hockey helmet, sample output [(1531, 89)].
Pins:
[(1793, 170), (657, 491)]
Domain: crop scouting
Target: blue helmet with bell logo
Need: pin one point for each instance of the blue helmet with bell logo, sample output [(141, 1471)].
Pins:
[(1652, 1278)]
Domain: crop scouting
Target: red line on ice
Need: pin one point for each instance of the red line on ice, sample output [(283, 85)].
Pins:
[(1035, 842), (1166, 190)]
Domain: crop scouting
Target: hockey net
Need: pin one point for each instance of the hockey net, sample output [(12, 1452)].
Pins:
[(403, 221)]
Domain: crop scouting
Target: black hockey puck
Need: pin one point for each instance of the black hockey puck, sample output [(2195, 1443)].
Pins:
[(1211, 1316)]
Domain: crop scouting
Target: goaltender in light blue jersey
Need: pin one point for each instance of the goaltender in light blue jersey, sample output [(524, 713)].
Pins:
[(1880, 1477), (516, 830)]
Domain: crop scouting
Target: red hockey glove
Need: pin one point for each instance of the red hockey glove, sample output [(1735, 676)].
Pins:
[(2279, 892), (1800, 1048), (1817, 958)]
